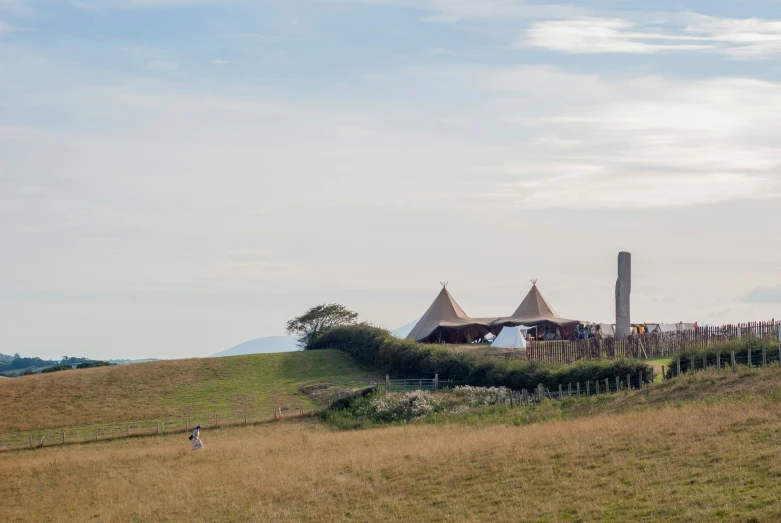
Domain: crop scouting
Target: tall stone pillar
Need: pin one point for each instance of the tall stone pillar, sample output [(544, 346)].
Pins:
[(623, 290)]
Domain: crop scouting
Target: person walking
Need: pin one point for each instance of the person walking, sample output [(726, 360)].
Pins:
[(195, 437)]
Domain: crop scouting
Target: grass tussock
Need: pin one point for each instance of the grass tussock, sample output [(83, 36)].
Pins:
[(702, 462)]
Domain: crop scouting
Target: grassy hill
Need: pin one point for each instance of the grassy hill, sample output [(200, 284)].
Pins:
[(108, 398), (697, 448)]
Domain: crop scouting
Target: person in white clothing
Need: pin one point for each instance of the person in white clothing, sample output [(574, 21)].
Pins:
[(195, 437)]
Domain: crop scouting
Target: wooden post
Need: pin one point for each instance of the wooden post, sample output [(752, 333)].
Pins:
[(561, 393), (31, 442), (733, 361), (628, 382), (607, 386), (157, 426), (387, 383), (718, 360), (436, 381), (63, 437), (640, 380), (245, 419), (618, 383), (749, 356), (578, 389), (663, 374), (588, 388), (764, 357)]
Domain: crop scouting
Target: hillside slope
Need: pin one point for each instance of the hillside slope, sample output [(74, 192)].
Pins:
[(175, 389), (711, 457)]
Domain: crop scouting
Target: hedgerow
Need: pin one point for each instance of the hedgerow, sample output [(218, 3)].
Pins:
[(693, 358), (408, 359)]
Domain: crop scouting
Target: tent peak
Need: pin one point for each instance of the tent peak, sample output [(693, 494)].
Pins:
[(534, 281)]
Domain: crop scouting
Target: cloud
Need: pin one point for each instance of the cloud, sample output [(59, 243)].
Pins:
[(738, 38), (765, 294), (220, 62)]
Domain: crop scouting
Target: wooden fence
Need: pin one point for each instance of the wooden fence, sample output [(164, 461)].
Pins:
[(647, 345)]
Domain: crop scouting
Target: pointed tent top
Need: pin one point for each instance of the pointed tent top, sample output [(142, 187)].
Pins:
[(444, 311), (534, 305)]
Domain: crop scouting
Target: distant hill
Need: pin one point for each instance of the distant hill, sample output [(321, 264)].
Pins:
[(126, 362), (403, 332), (261, 346)]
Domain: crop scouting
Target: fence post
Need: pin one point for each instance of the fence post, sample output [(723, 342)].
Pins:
[(628, 382), (588, 388), (663, 374), (607, 386), (618, 383), (569, 390), (718, 360), (436, 381), (732, 354), (678, 366), (764, 356), (157, 426), (578, 384), (387, 383), (63, 437), (561, 392), (640, 380), (31, 442), (749, 356)]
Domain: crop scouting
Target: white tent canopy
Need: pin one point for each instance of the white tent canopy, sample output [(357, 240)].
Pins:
[(511, 338)]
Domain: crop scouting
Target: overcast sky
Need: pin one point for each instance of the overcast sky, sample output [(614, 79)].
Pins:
[(179, 176)]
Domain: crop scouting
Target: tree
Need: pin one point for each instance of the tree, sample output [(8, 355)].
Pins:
[(319, 319)]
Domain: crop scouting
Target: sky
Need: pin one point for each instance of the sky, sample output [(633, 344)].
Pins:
[(179, 176)]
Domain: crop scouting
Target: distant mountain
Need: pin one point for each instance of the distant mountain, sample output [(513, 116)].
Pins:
[(261, 346), (403, 332), (127, 362)]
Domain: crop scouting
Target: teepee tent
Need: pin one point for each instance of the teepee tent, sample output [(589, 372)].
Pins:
[(536, 311), (446, 322), (511, 338)]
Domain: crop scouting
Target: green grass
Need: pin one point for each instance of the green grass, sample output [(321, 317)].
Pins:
[(657, 364), (178, 393)]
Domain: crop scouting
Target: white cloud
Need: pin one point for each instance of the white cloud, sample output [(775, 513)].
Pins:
[(741, 38), (220, 62)]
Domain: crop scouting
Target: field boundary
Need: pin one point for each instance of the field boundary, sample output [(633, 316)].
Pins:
[(647, 346)]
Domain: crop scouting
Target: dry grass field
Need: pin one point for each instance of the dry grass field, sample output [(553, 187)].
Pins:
[(85, 400), (705, 447), (697, 463)]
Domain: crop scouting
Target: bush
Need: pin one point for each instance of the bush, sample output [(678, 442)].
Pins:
[(408, 359), (57, 368), (90, 364), (693, 358)]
